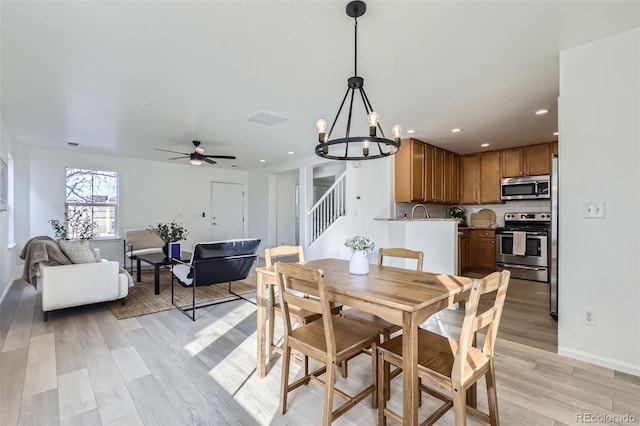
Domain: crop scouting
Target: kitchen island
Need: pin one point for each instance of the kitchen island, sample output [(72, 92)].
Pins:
[(437, 238)]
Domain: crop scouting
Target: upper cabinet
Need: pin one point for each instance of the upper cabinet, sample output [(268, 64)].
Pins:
[(409, 171), (490, 177), (425, 173), (469, 178), (530, 160)]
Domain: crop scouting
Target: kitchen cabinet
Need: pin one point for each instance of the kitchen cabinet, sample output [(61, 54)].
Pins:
[(409, 172), (537, 159), (490, 177), (554, 148), (438, 175), (451, 177), (469, 172), (482, 250), (463, 250), (530, 160)]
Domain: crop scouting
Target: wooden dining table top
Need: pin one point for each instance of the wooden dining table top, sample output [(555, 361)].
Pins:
[(397, 288)]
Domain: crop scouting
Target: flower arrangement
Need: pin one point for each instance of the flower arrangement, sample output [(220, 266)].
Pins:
[(457, 212), (360, 243), (170, 232)]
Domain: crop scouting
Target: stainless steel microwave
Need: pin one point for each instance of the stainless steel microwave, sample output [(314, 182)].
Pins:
[(525, 188)]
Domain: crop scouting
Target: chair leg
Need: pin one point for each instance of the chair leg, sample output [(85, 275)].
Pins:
[(374, 376), (46, 315), (492, 396), (272, 319), (306, 365), (459, 404), (383, 386), (330, 378), (344, 369), (284, 386)]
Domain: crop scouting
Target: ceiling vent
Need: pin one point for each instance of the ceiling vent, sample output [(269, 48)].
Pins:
[(267, 118)]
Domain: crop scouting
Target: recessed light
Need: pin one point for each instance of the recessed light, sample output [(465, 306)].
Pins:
[(484, 145), (456, 130), (411, 131), (555, 133), (290, 152), (262, 161), (542, 111)]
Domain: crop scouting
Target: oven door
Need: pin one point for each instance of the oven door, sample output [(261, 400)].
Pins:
[(535, 252)]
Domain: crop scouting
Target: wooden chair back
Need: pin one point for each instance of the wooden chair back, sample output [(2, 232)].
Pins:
[(498, 282), (294, 282), (271, 254), (401, 253)]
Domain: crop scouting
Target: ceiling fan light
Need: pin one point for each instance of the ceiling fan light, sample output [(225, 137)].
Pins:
[(199, 150), (196, 161)]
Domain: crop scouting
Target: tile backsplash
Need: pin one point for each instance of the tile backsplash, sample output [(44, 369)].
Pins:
[(438, 211)]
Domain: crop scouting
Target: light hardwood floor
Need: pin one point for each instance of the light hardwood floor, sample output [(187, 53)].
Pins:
[(84, 367)]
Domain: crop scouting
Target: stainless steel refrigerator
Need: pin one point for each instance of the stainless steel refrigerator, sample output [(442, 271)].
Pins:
[(553, 278)]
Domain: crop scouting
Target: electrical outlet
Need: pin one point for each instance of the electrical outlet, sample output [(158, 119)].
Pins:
[(594, 210), (589, 317)]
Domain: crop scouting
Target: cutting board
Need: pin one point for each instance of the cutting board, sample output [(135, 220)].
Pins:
[(485, 217)]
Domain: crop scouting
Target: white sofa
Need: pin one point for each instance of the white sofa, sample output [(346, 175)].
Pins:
[(65, 286)]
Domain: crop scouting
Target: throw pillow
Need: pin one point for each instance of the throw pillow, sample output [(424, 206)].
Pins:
[(78, 251)]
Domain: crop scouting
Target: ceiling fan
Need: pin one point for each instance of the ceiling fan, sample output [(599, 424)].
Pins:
[(198, 156)]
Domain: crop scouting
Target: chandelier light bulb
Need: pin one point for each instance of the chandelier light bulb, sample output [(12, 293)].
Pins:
[(396, 130), (365, 148), (321, 125), (374, 117)]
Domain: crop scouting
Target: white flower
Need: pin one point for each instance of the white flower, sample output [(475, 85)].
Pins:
[(360, 243)]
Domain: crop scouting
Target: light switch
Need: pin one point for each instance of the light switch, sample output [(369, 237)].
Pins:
[(594, 210)]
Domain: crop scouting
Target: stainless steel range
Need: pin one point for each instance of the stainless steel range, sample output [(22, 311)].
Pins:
[(522, 245)]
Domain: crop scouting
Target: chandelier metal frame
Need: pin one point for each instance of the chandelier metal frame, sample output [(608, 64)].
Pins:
[(385, 147)]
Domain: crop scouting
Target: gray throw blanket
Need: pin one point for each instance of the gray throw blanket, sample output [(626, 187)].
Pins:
[(43, 250)]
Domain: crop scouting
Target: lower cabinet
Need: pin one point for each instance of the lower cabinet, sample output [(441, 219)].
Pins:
[(482, 249), (463, 250)]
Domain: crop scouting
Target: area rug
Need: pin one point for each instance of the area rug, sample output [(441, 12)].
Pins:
[(142, 300)]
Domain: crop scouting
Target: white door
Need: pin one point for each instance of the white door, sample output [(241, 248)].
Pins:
[(227, 211)]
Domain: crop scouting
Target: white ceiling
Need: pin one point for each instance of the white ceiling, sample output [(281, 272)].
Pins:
[(123, 78)]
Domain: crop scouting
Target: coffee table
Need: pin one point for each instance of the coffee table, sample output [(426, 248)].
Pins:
[(158, 260)]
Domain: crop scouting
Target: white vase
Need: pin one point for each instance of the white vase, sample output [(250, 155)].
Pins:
[(359, 263)]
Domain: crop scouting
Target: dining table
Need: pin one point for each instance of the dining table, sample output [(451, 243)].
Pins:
[(401, 296)]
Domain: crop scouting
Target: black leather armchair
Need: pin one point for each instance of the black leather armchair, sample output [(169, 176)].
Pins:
[(214, 263)]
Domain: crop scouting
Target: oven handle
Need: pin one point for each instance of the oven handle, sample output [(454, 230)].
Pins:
[(529, 234), (531, 268)]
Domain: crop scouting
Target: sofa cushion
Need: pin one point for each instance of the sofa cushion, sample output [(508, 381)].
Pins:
[(78, 251)]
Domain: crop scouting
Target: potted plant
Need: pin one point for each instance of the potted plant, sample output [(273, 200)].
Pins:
[(361, 246), (76, 225), (458, 212), (169, 232)]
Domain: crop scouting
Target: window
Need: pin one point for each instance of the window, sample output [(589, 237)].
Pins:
[(92, 197)]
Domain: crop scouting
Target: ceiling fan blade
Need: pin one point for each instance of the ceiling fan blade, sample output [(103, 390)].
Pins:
[(225, 157), (209, 161), (166, 150), (176, 158)]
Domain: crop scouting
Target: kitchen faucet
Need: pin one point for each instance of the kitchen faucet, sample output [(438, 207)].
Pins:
[(413, 211)]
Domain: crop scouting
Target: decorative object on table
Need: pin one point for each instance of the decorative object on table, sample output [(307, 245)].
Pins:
[(174, 251), (76, 225), (170, 233), (458, 212), (360, 246), (356, 147)]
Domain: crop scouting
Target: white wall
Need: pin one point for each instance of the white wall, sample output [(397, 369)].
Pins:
[(599, 160), (150, 192), (286, 207)]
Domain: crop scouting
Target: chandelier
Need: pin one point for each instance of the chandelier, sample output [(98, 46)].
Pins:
[(356, 147)]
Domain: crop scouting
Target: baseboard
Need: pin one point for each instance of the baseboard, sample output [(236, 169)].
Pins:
[(614, 364)]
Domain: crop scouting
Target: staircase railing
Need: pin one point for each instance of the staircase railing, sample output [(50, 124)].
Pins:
[(329, 208)]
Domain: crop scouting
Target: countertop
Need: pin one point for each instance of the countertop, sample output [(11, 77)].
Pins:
[(418, 219), (477, 227)]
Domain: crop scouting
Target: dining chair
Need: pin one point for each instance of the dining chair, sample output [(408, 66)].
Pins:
[(298, 315), (331, 340), (387, 327), (447, 365)]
